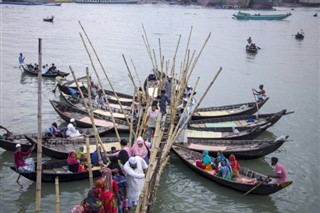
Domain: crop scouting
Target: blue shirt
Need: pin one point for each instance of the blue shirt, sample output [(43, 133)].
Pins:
[(95, 158), (21, 60)]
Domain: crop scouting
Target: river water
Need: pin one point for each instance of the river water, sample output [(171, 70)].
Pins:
[(288, 68)]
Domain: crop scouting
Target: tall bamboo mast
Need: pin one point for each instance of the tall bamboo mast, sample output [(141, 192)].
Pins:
[(39, 146), (57, 194)]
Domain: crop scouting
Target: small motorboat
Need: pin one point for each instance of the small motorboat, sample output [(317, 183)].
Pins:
[(315, 15), (48, 19)]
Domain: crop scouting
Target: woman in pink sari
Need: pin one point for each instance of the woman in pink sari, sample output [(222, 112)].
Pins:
[(141, 148)]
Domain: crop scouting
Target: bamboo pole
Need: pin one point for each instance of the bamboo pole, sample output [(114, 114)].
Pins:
[(104, 71), (100, 84), (135, 70), (146, 42), (89, 162), (57, 195), (197, 58), (39, 147), (187, 47)]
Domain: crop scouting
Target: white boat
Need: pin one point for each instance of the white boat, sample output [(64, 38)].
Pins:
[(108, 1)]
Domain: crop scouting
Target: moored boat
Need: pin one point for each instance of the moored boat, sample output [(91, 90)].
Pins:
[(242, 149), (32, 71), (77, 102), (248, 16), (228, 110), (9, 143), (82, 119), (240, 121), (246, 181), (108, 1), (226, 133), (59, 147), (51, 170)]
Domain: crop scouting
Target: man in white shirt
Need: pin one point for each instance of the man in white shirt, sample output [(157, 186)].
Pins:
[(135, 169), (72, 131)]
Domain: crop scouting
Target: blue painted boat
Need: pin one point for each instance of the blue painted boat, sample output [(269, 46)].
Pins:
[(248, 16)]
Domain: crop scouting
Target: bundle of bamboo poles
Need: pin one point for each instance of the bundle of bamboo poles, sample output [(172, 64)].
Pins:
[(159, 153), (161, 147)]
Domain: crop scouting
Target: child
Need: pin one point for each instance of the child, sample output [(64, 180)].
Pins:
[(82, 167), (122, 189)]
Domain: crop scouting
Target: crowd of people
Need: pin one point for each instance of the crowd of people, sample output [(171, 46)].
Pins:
[(123, 176), (229, 169)]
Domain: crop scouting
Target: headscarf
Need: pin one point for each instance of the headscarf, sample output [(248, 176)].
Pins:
[(234, 163), (71, 160), (100, 184), (123, 156), (107, 175), (114, 164), (206, 158), (77, 209), (139, 151)]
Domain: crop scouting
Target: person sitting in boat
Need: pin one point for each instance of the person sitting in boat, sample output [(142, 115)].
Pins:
[(225, 171), (99, 100), (82, 166), (80, 152), (219, 159), (52, 131), (205, 163), (280, 172), (43, 70), (72, 131), (234, 165), (95, 157), (261, 94), (23, 166), (73, 162), (21, 59), (94, 89), (53, 68)]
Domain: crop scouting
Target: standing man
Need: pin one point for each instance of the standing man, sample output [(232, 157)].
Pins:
[(280, 173), (135, 169), (168, 86), (21, 60), (23, 166), (163, 99)]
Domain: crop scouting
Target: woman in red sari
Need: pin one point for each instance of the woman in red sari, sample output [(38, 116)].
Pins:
[(234, 165), (106, 197)]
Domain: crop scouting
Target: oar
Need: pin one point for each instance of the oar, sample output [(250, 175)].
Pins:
[(54, 90), (256, 103), (256, 186)]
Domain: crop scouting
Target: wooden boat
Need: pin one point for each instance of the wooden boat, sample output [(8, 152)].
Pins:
[(239, 122), (48, 19), (9, 143), (82, 119), (247, 180), (248, 16), (51, 170), (226, 133), (299, 36), (32, 71), (251, 49), (125, 99), (228, 110), (242, 149), (59, 147), (78, 103)]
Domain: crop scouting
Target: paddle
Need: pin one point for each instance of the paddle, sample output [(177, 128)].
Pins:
[(256, 186), (256, 103), (54, 90)]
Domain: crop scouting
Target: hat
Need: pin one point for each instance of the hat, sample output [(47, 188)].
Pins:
[(169, 76), (18, 145), (133, 160), (72, 120)]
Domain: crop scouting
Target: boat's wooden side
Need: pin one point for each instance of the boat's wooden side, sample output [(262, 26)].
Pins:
[(58, 169), (242, 149), (240, 122), (10, 143), (247, 180), (59, 148), (82, 119), (228, 110)]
